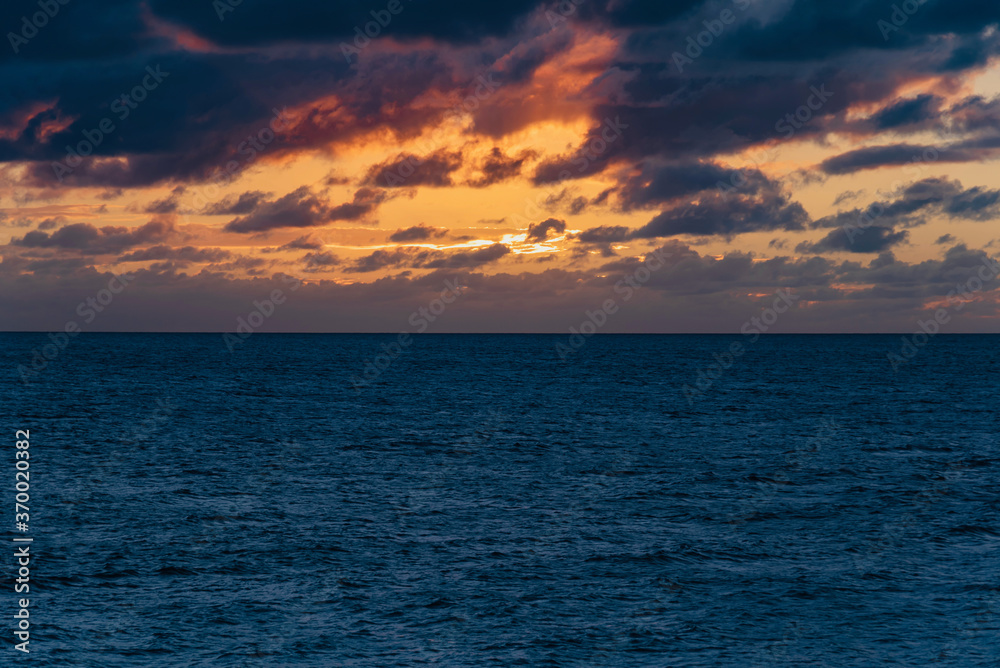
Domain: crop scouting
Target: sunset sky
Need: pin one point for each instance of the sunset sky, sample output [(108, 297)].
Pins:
[(534, 152)]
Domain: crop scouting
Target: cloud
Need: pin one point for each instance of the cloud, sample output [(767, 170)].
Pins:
[(875, 157), (410, 170), (917, 200), (302, 208), (467, 259), (603, 94), (88, 239), (268, 23), (51, 223), (604, 234), (689, 293), (168, 204), (418, 233), (305, 242), (917, 110), (974, 204), (718, 214), (382, 259), (254, 266), (498, 167), (182, 254), (417, 258), (806, 31), (874, 239), (240, 205), (658, 182), (539, 231), (318, 260)]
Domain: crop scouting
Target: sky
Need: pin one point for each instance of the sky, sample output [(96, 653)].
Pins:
[(676, 165)]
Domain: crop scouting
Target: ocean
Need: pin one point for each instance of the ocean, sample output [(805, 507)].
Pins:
[(477, 500)]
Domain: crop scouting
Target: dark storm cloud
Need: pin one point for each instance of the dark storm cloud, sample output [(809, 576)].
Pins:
[(382, 259), (692, 119), (636, 13), (975, 204), (156, 137), (198, 120), (303, 243), (874, 239), (88, 239), (416, 258), (658, 182), (930, 278), (932, 196), (207, 116), (717, 214), (690, 293), (724, 102), (466, 259), (417, 233), (920, 109), (365, 201), (168, 204), (183, 254), (498, 167), (976, 114), (974, 150), (604, 234), (812, 30), (51, 223), (253, 266), (409, 170), (237, 206), (69, 34), (876, 156), (272, 22), (657, 134), (316, 260), (302, 208), (540, 231)]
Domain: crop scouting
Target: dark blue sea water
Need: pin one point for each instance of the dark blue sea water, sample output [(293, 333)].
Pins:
[(484, 503)]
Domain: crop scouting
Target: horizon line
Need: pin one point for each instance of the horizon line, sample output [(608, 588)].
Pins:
[(396, 333)]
